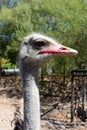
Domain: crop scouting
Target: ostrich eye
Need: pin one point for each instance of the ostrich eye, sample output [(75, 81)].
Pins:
[(25, 43), (39, 44)]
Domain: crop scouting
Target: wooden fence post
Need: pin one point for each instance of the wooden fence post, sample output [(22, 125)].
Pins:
[(72, 99), (84, 94)]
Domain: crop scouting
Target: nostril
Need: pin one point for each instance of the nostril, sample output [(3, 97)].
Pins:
[(63, 48)]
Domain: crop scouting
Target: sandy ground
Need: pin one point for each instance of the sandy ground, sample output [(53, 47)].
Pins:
[(53, 120), (7, 110)]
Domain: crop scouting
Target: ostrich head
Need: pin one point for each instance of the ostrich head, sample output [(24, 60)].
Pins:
[(36, 49)]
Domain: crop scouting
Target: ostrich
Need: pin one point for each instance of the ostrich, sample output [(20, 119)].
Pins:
[(36, 49)]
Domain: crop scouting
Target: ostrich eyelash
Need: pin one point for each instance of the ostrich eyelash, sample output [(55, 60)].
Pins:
[(39, 44)]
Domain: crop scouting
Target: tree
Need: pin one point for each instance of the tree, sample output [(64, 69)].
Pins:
[(64, 20), (13, 29)]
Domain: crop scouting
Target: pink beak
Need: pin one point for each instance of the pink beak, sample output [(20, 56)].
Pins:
[(59, 50)]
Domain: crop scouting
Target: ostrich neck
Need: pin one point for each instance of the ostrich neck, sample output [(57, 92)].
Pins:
[(31, 99)]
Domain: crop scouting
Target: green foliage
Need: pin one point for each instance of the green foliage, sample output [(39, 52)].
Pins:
[(65, 20), (5, 63)]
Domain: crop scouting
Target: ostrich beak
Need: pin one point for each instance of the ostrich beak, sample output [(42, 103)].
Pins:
[(59, 50)]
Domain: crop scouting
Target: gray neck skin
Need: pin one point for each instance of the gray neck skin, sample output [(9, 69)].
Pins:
[(31, 98)]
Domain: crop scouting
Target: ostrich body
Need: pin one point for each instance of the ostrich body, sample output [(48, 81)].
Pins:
[(36, 49)]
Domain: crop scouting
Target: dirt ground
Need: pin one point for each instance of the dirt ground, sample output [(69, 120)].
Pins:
[(55, 119), (54, 114), (8, 108)]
